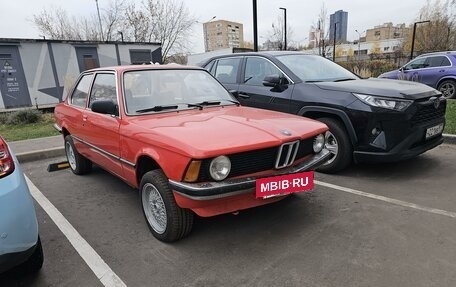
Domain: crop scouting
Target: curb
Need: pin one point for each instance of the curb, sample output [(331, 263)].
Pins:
[(40, 154), (449, 139)]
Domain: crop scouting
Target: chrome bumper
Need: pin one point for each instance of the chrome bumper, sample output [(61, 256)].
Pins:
[(231, 187)]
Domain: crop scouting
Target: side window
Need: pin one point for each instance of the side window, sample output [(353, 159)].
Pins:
[(104, 88), (416, 64), (256, 69), (210, 67), (437, 61), (227, 69), (79, 96)]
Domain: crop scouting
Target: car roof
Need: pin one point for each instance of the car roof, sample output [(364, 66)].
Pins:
[(124, 68), (438, 53), (267, 54)]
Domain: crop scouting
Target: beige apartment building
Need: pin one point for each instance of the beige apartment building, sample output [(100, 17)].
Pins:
[(386, 31), (222, 34)]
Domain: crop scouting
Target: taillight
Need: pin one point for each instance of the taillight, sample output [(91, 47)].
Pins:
[(6, 160)]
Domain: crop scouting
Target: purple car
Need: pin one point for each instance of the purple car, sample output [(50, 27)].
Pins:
[(437, 70)]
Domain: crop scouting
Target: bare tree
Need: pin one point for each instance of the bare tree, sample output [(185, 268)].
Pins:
[(166, 21), (439, 33), (276, 34), (172, 24)]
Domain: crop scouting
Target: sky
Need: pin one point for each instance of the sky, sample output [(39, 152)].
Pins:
[(301, 14)]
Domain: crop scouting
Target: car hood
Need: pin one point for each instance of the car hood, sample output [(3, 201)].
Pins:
[(382, 87), (222, 130), (390, 74)]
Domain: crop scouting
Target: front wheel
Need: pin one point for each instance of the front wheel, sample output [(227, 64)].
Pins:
[(448, 88), (338, 144), (166, 220)]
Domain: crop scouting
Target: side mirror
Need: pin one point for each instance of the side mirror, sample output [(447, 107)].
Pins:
[(235, 93), (107, 107), (273, 81)]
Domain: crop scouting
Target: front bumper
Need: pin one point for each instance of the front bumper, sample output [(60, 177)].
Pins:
[(233, 187), (411, 146)]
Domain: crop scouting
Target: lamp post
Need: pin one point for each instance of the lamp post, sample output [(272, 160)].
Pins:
[(334, 40), (121, 35), (285, 27), (413, 36), (99, 20), (359, 43), (255, 26)]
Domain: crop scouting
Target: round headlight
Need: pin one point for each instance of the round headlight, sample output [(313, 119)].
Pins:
[(319, 143), (220, 167)]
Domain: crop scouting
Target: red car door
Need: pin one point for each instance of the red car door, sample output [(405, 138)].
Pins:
[(101, 131)]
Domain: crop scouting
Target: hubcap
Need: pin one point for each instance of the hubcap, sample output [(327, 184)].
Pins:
[(154, 208), (448, 90), (332, 146), (70, 156)]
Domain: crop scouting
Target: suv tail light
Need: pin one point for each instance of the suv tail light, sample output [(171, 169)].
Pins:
[(6, 160)]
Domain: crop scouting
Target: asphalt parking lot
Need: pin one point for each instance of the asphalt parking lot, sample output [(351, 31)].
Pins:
[(372, 225)]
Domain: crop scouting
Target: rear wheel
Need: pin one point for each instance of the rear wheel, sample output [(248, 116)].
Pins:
[(448, 88), (78, 163), (166, 220), (338, 144)]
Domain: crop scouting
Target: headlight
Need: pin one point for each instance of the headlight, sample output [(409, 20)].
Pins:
[(387, 103), (319, 143), (220, 167)]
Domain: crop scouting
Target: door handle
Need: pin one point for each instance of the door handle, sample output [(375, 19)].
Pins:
[(84, 118)]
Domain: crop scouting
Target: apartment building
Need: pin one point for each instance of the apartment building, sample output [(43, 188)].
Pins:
[(222, 34), (387, 31)]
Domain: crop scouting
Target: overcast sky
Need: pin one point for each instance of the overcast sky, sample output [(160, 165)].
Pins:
[(301, 14)]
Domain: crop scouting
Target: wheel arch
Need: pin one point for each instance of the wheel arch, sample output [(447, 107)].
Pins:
[(315, 112), (453, 78), (144, 164)]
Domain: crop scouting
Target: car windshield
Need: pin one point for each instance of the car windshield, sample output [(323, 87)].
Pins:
[(310, 68), (167, 90)]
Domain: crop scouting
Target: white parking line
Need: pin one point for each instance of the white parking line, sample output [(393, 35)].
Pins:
[(103, 272), (387, 199)]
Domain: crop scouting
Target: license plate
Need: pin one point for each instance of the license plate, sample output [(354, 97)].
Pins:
[(284, 184), (433, 131)]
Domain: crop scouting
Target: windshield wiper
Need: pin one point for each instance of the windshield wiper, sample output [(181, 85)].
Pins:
[(205, 103), (157, 109), (344, 79)]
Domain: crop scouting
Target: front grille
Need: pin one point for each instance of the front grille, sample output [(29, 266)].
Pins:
[(258, 160), (426, 112)]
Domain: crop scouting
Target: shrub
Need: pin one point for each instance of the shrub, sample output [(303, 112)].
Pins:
[(20, 117)]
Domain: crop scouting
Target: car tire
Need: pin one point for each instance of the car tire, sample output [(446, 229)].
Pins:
[(338, 143), (35, 261), (448, 88), (78, 163), (165, 219)]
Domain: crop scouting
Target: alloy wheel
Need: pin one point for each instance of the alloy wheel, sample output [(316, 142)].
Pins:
[(154, 208)]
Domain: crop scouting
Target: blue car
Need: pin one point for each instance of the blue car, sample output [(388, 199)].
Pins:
[(437, 70), (20, 244)]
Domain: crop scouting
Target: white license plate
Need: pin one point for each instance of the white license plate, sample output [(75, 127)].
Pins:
[(433, 131)]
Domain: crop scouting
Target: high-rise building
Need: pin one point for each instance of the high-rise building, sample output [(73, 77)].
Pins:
[(222, 34), (338, 22)]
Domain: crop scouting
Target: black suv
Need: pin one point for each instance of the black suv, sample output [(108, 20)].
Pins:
[(369, 120)]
